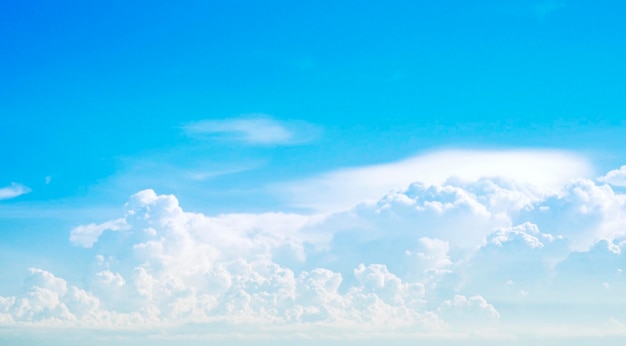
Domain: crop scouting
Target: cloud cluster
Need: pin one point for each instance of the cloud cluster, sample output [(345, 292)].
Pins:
[(463, 255)]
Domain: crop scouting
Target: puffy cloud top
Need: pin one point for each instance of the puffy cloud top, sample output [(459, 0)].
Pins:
[(448, 257)]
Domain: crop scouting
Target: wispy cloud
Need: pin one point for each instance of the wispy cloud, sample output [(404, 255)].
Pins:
[(206, 174), (13, 190), (258, 129)]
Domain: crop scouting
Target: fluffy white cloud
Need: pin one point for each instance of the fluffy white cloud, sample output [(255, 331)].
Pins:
[(616, 177), (193, 268), (455, 257), (13, 190), (51, 300), (582, 211)]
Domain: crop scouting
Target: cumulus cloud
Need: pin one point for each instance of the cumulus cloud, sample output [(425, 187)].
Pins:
[(13, 190), (460, 256), (582, 211), (257, 129), (341, 189), (194, 268)]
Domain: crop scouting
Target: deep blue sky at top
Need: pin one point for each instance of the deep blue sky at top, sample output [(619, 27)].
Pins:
[(85, 84)]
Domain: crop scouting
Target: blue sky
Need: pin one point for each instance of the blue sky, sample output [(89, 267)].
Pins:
[(293, 128)]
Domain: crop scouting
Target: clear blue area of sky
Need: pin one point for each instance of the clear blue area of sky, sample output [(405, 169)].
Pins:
[(87, 87), (84, 84)]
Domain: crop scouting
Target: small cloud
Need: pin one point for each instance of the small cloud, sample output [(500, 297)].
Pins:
[(13, 190), (254, 130), (48, 179)]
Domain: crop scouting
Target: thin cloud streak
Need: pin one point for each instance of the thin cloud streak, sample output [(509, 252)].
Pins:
[(254, 130)]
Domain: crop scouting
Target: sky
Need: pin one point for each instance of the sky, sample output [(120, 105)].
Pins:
[(352, 172)]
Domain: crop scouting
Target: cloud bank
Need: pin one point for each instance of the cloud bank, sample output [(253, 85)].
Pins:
[(485, 256)]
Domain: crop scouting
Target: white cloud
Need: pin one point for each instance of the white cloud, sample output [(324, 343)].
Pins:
[(13, 190), (434, 253), (200, 269), (87, 235), (616, 177), (582, 211), (527, 233), (410, 217), (52, 301), (473, 310), (344, 188), (254, 129), (377, 279), (463, 256)]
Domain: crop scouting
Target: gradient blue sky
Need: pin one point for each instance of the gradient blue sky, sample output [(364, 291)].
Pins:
[(238, 106)]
